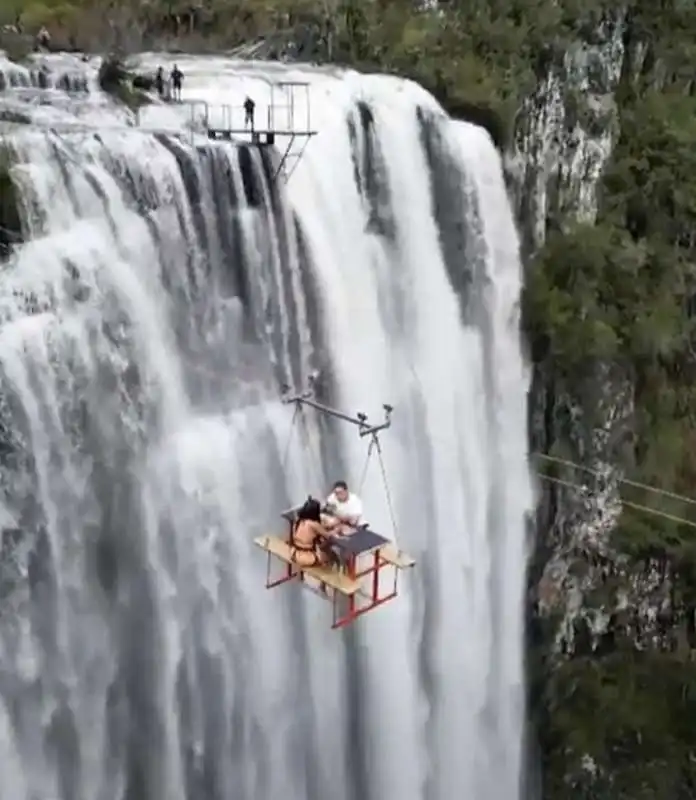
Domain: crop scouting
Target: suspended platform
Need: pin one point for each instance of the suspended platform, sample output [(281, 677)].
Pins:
[(366, 560), (354, 588)]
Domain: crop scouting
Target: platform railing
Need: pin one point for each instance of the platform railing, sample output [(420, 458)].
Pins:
[(278, 118), (291, 118), (274, 117)]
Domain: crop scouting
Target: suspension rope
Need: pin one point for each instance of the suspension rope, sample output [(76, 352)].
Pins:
[(306, 444), (363, 477), (286, 455), (385, 481), (314, 462)]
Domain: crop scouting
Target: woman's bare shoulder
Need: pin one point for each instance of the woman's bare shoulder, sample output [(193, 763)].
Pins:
[(317, 527)]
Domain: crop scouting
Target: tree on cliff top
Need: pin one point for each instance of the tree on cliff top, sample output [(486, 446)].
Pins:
[(470, 54)]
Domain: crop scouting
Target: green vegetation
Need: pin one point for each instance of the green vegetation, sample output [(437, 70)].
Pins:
[(622, 289), (637, 746), (613, 722), (479, 53), (115, 79)]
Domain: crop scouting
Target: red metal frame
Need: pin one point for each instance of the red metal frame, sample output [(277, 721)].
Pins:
[(374, 600), (351, 567), (290, 573)]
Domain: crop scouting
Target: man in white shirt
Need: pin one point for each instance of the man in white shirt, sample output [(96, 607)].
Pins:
[(343, 512)]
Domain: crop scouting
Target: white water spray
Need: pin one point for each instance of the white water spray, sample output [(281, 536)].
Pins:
[(143, 658)]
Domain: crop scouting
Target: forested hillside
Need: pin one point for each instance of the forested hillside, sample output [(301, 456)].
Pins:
[(608, 312)]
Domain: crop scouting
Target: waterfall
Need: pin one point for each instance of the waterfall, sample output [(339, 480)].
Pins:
[(166, 289)]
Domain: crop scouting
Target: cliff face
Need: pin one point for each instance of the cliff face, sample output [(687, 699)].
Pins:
[(602, 169), (564, 139), (612, 577)]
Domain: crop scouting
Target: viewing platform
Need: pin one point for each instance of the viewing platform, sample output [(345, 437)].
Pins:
[(286, 116), (282, 121)]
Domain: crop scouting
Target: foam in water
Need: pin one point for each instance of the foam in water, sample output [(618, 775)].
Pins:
[(166, 294)]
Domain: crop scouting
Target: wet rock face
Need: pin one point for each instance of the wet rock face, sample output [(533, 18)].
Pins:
[(563, 141), (564, 134), (611, 594), (10, 223), (575, 559)]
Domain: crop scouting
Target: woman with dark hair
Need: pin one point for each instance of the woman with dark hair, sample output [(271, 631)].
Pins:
[(309, 536)]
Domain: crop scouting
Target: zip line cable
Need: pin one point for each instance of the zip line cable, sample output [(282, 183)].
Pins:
[(635, 506), (624, 481), (375, 445), (555, 459)]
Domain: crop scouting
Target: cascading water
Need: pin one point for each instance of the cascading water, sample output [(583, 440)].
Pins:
[(164, 294)]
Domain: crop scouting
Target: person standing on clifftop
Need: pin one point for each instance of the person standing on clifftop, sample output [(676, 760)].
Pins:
[(159, 81), (249, 106), (43, 38), (177, 77)]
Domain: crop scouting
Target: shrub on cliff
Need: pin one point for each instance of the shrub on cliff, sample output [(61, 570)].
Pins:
[(114, 79), (615, 730), (594, 292), (624, 290)]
